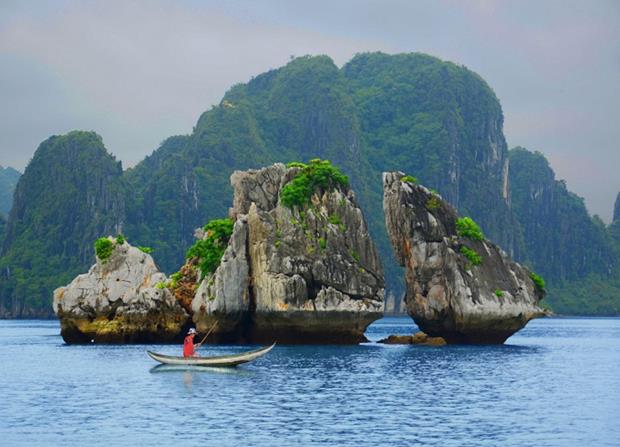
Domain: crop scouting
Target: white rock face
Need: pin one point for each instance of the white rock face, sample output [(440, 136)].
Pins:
[(224, 295), (447, 296), (310, 275), (118, 301)]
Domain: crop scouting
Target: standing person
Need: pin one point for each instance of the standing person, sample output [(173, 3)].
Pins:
[(188, 344)]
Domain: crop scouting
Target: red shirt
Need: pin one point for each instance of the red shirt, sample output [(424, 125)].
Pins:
[(188, 346)]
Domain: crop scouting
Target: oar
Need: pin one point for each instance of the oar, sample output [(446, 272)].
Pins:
[(208, 333)]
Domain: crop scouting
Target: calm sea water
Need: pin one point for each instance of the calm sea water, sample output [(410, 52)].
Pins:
[(556, 383)]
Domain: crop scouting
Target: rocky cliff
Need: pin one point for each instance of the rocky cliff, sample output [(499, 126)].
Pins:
[(562, 241), (8, 181), (120, 300), (69, 195), (459, 287), (307, 274), (617, 209)]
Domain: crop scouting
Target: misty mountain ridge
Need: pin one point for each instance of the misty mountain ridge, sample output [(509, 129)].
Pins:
[(432, 119)]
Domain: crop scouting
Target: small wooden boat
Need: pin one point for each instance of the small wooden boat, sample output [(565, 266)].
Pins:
[(222, 360)]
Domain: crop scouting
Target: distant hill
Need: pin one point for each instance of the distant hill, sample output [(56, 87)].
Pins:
[(434, 120), (68, 196), (572, 250), (8, 181)]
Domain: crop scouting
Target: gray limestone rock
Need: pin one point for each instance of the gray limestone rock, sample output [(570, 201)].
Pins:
[(299, 276), (446, 295), (118, 301)]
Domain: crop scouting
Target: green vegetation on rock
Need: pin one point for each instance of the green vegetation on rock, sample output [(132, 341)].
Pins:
[(466, 227), (433, 203), (409, 179), (104, 248), (471, 254), (210, 250), (499, 293), (538, 281), (316, 174)]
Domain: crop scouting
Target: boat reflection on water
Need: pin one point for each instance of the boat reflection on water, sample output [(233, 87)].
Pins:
[(190, 369)]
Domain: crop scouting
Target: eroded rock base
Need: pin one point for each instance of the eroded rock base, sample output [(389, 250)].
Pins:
[(119, 330)]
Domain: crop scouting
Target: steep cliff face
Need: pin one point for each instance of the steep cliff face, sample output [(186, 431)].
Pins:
[(68, 196), (617, 209), (308, 274), (120, 300), (8, 181), (459, 287), (562, 241), (441, 123)]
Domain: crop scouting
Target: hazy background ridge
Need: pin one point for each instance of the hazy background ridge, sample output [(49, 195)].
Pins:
[(137, 72)]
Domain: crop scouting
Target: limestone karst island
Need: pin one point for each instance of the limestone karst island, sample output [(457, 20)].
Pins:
[(343, 223)]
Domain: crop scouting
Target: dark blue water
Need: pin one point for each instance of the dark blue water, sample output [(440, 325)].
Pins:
[(556, 383)]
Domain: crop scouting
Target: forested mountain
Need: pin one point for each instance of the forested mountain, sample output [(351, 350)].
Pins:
[(69, 195), (431, 119), (8, 180), (573, 251), (562, 241)]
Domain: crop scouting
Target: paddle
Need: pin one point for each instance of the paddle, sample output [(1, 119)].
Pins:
[(210, 330)]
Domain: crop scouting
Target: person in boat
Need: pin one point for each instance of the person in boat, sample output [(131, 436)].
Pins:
[(189, 348)]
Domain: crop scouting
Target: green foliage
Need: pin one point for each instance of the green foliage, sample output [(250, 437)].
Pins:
[(499, 293), (562, 242), (120, 239), (409, 179), (335, 220), (538, 281), (210, 250), (160, 285), (176, 276), (316, 174), (466, 227), (104, 248), (296, 164), (355, 255), (322, 243), (433, 203), (470, 254), (379, 112), (147, 250)]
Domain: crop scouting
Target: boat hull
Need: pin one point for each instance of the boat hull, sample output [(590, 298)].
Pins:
[(223, 360)]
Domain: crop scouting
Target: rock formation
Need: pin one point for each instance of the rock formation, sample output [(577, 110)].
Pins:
[(309, 275), (120, 300), (419, 338), (617, 209), (449, 295)]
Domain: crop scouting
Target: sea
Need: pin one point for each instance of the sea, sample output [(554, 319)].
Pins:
[(554, 383)]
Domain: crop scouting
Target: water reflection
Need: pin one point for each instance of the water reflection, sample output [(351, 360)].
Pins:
[(192, 369)]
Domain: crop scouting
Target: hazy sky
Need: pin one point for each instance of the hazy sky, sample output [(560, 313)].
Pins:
[(138, 72)]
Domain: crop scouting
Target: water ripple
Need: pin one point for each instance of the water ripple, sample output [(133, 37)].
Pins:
[(553, 384)]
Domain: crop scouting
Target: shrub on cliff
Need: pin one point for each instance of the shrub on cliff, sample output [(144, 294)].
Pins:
[(538, 281), (103, 248), (466, 227), (409, 179), (472, 255), (316, 174), (210, 250)]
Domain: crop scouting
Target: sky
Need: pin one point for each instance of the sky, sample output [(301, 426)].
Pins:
[(137, 72)]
